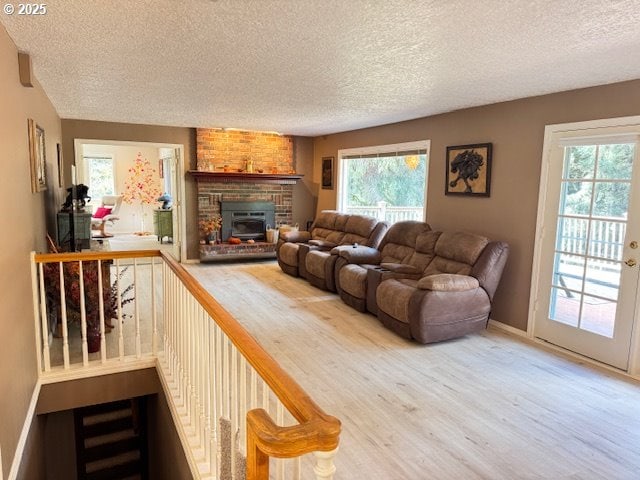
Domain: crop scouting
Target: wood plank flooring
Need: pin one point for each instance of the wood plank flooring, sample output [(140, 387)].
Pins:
[(486, 406)]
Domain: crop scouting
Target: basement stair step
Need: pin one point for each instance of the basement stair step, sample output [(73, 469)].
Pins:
[(111, 449), (123, 470), (111, 442), (110, 426)]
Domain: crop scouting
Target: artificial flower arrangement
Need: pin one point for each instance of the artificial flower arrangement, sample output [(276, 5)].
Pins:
[(211, 224), (71, 277)]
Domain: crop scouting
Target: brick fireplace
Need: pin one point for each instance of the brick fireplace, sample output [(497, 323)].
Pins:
[(239, 166)]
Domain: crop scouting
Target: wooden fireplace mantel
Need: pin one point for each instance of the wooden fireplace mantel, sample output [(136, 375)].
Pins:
[(243, 177)]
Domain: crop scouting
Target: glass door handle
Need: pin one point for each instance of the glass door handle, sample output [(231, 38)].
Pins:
[(633, 244), (631, 262)]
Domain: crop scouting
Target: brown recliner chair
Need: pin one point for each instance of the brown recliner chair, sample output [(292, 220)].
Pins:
[(454, 295), (317, 261), (404, 252), (330, 228)]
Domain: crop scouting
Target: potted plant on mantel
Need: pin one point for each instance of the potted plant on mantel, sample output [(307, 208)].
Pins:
[(71, 276)]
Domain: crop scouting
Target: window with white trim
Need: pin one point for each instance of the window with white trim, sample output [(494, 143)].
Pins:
[(388, 182), (99, 177)]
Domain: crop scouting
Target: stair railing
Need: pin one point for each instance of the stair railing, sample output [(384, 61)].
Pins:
[(223, 388)]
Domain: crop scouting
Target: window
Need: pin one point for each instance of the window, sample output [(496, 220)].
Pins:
[(387, 182), (99, 177)]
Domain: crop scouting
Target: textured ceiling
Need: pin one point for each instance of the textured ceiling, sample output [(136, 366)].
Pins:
[(311, 67)]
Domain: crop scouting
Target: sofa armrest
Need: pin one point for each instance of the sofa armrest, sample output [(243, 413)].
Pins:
[(448, 282), (296, 236), (322, 244), (358, 254), (401, 268)]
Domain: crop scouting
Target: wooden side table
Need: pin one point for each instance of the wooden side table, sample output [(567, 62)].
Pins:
[(163, 224)]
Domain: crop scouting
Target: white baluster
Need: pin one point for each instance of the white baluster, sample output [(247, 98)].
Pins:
[(63, 308), (154, 313), (279, 422), (297, 468), (119, 310), (324, 467), (254, 388), (83, 316), (225, 385), (219, 399), (265, 396), (234, 403), (136, 305), (243, 403), (46, 356), (213, 380), (103, 338)]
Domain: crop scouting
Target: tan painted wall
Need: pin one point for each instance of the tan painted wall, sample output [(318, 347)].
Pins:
[(72, 129), (305, 192), (516, 130), (23, 216), (167, 460)]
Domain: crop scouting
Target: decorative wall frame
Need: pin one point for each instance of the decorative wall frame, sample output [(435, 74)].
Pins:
[(327, 172), (469, 170), (60, 166), (37, 157)]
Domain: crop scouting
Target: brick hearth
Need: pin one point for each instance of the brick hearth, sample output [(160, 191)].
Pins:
[(226, 251)]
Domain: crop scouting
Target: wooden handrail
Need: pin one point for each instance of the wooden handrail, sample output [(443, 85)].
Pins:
[(317, 431), (85, 256)]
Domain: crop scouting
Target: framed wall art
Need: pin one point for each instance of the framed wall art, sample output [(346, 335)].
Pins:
[(37, 157), (327, 172), (469, 170), (60, 166)]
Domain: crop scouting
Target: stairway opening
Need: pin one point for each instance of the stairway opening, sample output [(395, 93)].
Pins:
[(111, 440)]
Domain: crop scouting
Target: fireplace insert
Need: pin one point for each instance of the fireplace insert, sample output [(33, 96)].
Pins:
[(246, 220)]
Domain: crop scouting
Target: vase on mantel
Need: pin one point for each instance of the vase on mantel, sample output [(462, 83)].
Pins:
[(210, 239)]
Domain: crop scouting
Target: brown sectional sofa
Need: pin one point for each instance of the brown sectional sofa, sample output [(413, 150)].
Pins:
[(405, 251), (330, 229), (453, 296), (424, 285)]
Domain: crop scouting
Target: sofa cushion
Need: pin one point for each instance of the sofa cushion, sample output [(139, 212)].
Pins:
[(425, 250), (460, 246), (396, 253), (447, 282), (360, 225), (288, 253), (315, 262), (444, 265), (353, 280), (392, 297), (326, 219)]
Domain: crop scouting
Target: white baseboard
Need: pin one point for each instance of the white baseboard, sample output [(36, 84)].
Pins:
[(507, 328), (22, 441)]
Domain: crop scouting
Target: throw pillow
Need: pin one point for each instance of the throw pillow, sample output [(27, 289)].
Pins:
[(102, 212)]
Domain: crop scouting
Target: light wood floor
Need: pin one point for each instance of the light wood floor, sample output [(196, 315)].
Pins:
[(486, 406)]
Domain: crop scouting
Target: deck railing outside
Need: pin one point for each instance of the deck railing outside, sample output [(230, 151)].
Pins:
[(383, 212), (240, 412)]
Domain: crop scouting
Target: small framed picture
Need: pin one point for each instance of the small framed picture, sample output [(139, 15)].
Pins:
[(469, 170), (60, 166), (327, 173), (37, 157)]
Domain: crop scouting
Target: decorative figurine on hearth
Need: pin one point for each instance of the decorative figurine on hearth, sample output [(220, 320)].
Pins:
[(167, 201)]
